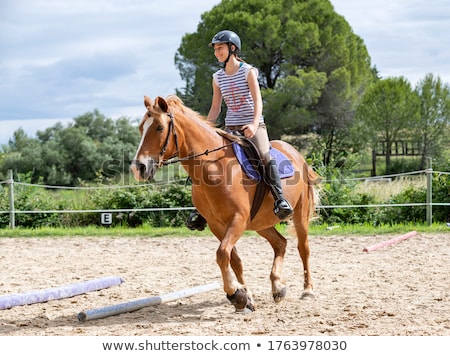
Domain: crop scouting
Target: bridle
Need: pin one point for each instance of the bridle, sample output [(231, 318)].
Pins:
[(172, 132), (166, 141)]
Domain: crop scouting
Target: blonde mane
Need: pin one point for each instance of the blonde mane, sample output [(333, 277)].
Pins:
[(177, 103)]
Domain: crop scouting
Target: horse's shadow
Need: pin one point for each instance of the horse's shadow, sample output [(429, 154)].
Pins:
[(159, 314)]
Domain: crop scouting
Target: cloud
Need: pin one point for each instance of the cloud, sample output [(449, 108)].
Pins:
[(403, 37), (62, 58)]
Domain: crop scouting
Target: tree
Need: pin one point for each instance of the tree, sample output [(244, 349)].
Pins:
[(296, 43), (92, 146), (19, 141), (95, 125), (433, 126), (22, 154), (295, 97), (389, 111)]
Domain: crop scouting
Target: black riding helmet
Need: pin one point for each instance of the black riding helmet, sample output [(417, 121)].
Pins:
[(226, 36)]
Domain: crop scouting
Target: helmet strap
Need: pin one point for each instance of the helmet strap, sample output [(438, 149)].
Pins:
[(230, 53)]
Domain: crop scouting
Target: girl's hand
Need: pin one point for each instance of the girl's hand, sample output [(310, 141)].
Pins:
[(249, 130)]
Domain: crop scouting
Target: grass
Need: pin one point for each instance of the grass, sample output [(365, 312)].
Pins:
[(367, 230), (383, 190), (147, 231), (143, 231)]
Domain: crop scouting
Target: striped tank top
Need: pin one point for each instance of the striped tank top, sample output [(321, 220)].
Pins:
[(236, 94)]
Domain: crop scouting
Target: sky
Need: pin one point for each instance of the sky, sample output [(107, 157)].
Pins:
[(62, 58)]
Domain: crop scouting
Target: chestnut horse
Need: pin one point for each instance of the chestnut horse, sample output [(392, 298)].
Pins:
[(223, 193)]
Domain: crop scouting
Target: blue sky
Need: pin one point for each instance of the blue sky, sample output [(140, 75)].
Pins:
[(63, 58)]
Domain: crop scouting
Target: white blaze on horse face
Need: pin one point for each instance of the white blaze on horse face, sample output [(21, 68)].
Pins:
[(139, 158)]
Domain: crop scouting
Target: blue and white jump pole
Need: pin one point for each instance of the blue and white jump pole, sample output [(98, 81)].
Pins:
[(44, 295)]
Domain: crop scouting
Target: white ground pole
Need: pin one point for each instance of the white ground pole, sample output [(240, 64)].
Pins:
[(142, 303)]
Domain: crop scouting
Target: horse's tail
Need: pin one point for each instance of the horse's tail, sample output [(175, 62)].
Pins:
[(312, 179)]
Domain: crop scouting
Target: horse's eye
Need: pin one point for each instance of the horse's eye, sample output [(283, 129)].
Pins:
[(160, 128)]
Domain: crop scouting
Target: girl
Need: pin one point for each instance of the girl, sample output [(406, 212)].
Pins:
[(237, 84)]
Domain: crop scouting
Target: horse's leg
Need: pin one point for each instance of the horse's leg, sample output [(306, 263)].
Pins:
[(231, 268), (236, 265), (278, 243), (301, 223)]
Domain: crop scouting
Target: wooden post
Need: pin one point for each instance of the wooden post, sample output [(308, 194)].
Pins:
[(374, 163), (10, 183), (429, 173)]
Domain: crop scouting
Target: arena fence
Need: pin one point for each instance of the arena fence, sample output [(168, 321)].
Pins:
[(105, 214)]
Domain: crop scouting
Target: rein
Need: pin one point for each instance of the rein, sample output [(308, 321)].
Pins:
[(173, 160)]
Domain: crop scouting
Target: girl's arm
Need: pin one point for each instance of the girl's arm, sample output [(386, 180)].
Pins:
[(216, 104), (250, 129)]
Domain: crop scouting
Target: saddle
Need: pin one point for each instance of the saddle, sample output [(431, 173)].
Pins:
[(250, 160)]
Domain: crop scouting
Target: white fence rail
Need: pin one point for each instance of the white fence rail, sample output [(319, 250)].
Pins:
[(429, 173)]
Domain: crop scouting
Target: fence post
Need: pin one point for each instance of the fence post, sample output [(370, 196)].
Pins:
[(429, 173), (10, 183)]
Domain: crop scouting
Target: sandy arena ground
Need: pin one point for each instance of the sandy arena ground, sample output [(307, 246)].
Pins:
[(403, 289)]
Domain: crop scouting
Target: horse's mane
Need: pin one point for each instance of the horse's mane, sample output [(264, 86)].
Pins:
[(176, 103)]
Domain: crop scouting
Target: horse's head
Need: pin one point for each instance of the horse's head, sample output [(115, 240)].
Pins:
[(156, 130)]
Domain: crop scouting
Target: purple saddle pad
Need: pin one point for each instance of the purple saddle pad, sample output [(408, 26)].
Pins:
[(285, 168)]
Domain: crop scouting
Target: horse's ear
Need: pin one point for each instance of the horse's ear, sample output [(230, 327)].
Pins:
[(162, 104), (147, 102)]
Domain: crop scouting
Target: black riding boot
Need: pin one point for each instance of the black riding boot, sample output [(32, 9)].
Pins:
[(282, 208), (195, 221)]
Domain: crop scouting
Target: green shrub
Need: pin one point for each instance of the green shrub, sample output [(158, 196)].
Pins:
[(29, 198), (404, 214), (441, 194), (342, 193), (417, 214), (146, 197)]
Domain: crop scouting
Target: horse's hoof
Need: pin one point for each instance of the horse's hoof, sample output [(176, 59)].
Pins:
[(280, 295), (241, 301), (308, 294), (244, 311), (249, 307)]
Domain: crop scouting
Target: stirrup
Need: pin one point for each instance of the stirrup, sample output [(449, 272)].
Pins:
[(283, 209), (195, 221)]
